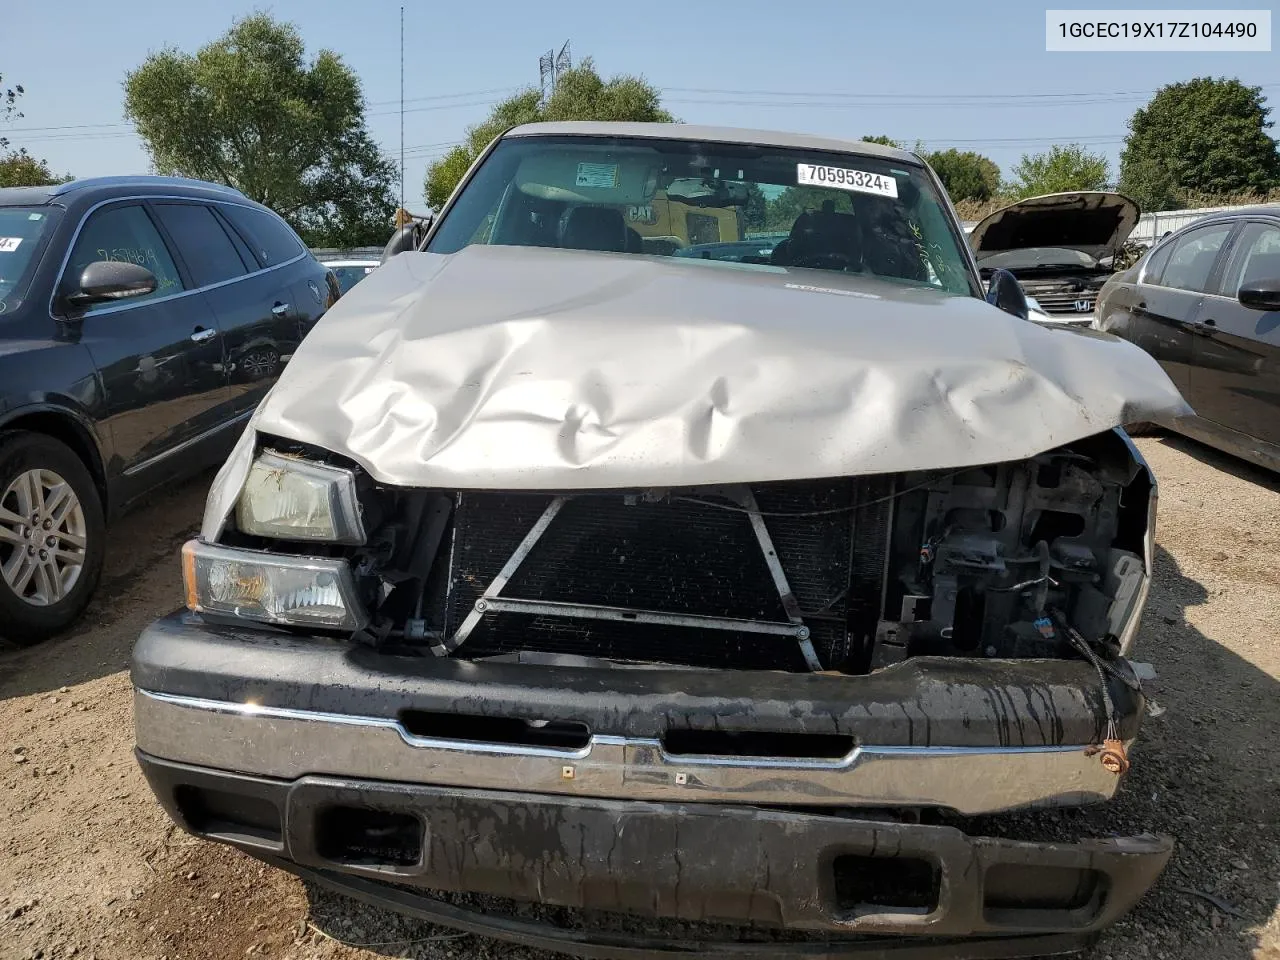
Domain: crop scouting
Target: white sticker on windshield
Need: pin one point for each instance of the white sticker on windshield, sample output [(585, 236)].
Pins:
[(603, 176), (842, 178), (9, 244)]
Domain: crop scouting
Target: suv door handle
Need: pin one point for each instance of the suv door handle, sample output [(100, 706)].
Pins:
[(203, 333), (280, 309)]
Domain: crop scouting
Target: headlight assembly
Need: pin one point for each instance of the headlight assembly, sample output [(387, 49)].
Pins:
[(272, 588), (284, 498)]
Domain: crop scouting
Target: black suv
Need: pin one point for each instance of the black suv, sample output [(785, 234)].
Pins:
[(141, 321)]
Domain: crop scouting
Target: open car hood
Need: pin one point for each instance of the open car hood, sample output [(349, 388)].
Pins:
[(1093, 222), (520, 368)]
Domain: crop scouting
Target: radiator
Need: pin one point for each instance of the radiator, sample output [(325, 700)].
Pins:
[(675, 555)]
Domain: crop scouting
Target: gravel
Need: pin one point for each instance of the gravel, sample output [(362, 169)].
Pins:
[(91, 868)]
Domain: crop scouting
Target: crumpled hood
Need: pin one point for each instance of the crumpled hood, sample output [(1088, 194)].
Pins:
[(520, 368), (1092, 221)]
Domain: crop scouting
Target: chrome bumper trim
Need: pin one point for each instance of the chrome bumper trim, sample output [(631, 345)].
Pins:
[(288, 744)]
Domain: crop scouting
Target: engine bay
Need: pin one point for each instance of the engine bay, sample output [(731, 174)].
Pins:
[(1027, 559), (997, 561)]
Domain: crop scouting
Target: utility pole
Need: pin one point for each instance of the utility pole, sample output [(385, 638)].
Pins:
[(564, 61), (550, 66), (402, 107), (547, 71)]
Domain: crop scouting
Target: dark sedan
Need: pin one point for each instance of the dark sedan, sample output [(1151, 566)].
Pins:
[(1205, 302), (141, 321)]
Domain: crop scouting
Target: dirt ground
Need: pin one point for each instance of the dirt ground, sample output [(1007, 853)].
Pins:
[(90, 867)]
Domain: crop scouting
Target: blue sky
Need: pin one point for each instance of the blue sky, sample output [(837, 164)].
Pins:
[(973, 76)]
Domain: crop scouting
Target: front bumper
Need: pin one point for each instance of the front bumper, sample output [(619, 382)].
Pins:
[(697, 862), (302, 751), (975, 737)]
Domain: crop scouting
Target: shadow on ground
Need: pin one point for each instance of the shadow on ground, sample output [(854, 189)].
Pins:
[(1243, 469), (1204, 772), (141, 580)]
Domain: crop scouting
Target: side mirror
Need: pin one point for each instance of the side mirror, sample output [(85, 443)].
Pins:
[(1005, 292), (105, 280), (1260, 295), (406, 238)]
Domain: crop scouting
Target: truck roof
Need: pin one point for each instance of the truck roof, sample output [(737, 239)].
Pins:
[(690, 131)]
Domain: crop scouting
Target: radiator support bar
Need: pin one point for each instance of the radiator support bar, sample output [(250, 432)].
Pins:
[(491, 601)]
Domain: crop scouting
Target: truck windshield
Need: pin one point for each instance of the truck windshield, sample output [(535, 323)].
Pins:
[(22, 230), (760, 206)]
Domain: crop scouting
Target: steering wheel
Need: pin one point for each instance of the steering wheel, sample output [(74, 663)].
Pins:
[(826, 261)]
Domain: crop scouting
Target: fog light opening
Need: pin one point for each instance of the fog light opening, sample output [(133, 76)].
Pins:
[(886, 884), (369, 838)]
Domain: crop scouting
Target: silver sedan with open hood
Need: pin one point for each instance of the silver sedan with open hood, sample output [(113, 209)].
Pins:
[(678, 533), (1062, 247)]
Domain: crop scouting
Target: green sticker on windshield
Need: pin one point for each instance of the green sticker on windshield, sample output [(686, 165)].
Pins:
[(602, 176)]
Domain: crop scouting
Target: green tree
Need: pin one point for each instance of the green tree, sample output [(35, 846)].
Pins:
[(580, 94), (966, 175), (1061, 169), (1202, 136), (793, 201), (9, 104), (250, 111), (883, 141), (755, 215), (19, 169)]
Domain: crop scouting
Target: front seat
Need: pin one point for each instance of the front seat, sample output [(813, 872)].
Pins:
[(595, 228), (819, 235)]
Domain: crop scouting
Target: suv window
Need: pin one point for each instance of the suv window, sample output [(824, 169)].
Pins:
[(210, 255), (22, 231), (1155, 264), (1191, 262), (1257, 257), (126, 234), (271, 239)]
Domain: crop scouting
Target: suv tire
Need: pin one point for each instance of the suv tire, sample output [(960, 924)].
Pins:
[(52, 537)]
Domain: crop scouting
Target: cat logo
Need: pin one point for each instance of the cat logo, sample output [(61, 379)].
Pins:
[(641, 213)]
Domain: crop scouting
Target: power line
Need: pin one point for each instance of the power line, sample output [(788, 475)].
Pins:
[(71, 126), (1092, 138), (933, 97), (55, 137), (442, 106), (377, 103), (441, 143), (863, 105), (444, 96), (807, 98)]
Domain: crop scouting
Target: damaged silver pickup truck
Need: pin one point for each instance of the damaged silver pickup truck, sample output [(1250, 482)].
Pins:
[(561, 570)]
